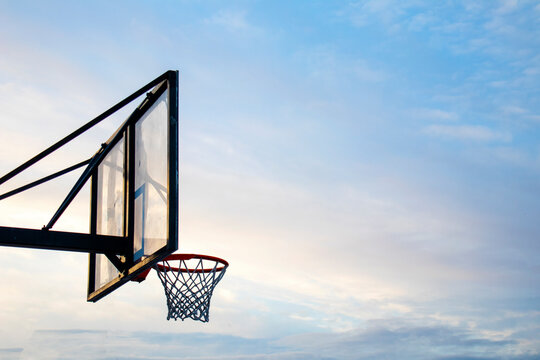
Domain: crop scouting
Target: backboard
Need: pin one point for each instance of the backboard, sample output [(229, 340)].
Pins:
[(133, 207), (135, 191)]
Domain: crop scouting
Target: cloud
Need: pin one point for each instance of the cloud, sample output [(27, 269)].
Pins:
[(10, 353), (535, 118), (494, 31), (325, 63), (513, 110), (366, 73), (434, 114), (532, 71), (403, 339), (468, 133), (378, 339), (507, 6), (389, 12), (231, 20)]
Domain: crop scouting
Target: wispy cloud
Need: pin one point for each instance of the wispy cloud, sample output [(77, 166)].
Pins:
[(507, 6), (514, 110), (434, 114), (325, 63), (389, 12), (231, 20), (535, 118), (394, 338), (468, 132), (365, 72)]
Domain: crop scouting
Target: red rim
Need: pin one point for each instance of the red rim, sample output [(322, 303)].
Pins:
[(181, 257)]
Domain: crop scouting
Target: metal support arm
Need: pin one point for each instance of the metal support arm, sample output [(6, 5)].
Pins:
[(60, 240)]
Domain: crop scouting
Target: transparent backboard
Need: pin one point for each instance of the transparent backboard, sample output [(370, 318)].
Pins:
[(110, 207), (151, 196), (135, 192)]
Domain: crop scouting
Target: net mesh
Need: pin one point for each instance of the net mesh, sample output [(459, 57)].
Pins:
[(189, 281)]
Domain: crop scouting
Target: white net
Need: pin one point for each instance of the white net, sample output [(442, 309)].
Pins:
[(189, 281)]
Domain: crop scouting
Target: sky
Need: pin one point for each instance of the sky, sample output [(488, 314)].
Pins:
[(370, 170)]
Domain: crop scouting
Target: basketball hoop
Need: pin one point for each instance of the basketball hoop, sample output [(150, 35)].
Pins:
[(189, 281)]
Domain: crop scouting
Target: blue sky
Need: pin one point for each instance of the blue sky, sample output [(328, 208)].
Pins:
[(370, 170)]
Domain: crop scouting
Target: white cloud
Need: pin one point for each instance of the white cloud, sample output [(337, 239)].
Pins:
[(367, 73), (326, 64), (302, 318), (513, 110), (507, 6), (421, 21), (532, 71), (231, 20), (434, 114), (468, 132), (514, 156), (535, 118), (389, 12), (393, 338)]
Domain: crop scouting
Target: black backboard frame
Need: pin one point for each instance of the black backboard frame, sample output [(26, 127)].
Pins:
[(127, 266)]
